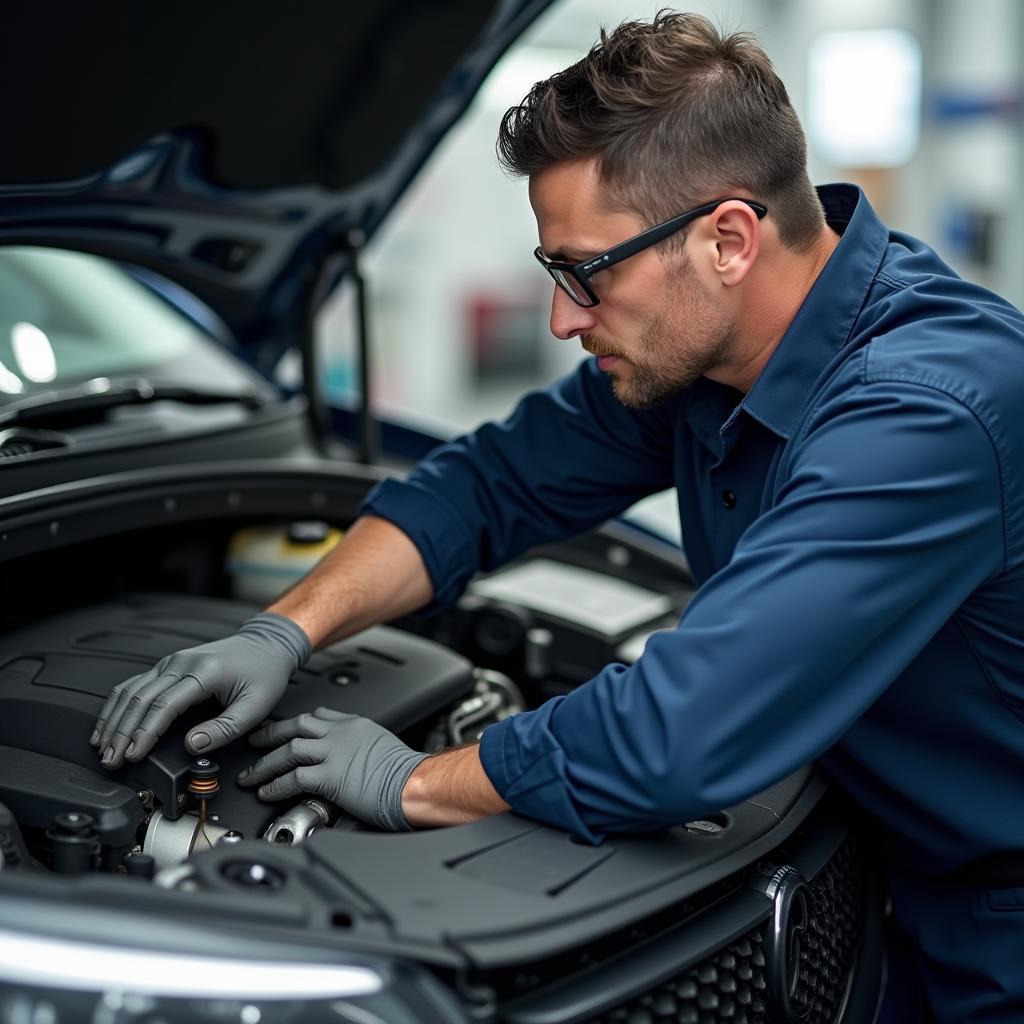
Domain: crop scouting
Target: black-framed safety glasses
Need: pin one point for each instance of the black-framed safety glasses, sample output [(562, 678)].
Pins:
[(574, 278)]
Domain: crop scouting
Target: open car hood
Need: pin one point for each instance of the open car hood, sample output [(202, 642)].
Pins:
[(230, 146)]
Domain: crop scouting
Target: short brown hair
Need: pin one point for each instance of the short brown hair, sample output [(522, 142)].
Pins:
[(677, 113)]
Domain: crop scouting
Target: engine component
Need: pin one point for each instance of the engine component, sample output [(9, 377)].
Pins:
[(248, 874), (56, 672), (170, 842), (140, 865), (495, 697), (204, 784), (597, 601), (75, 843), (549, 618), (13, 852), (59, 671), (178, 876), (537, 654), (264, 560), (36, 788), (500, 630), (299, 823)]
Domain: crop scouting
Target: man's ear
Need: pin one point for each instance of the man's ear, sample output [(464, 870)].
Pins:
[(733, 238)]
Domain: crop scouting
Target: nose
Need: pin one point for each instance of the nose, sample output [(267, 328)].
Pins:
[(569, 320)]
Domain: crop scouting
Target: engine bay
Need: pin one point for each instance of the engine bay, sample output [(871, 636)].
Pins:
[(504, 910), (186, 825), (534, 629), (55, 675)]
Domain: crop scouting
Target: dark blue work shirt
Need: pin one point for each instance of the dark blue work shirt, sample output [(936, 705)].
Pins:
[(856, 525)]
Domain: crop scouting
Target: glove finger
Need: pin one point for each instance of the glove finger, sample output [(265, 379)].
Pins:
[(293, 784), (241, 713), (304, 726), (294, 754), (158, 679), (101, 718), (137, 709), (163, 710), (217, 732), (331, 715), (111, 701)]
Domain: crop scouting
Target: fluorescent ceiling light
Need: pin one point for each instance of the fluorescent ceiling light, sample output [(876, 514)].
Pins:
[(864, 97)]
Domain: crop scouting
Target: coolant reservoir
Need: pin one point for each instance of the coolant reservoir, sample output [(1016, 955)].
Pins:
[(263, 561)]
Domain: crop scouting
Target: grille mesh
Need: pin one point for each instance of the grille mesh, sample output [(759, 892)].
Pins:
[(731, 986), (830, 949)]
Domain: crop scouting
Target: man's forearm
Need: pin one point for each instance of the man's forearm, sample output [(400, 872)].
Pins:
[(375, 574), (450, 788)]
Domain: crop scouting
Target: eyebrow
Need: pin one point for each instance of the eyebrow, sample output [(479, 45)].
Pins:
[(571, 255)]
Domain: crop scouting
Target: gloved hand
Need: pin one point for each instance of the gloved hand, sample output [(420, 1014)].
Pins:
[(349, 760), (246, 672)]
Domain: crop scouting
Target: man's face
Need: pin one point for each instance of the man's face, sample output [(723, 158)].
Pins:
[(656, 327)]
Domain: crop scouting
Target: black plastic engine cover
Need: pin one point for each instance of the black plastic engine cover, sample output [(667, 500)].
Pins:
[(56, 674), (35, 787)]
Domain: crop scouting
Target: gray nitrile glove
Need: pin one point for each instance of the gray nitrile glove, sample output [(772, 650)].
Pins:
[(247, 672), (346, 759)]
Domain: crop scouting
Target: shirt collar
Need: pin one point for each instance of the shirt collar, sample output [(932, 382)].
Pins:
[(823, 323)]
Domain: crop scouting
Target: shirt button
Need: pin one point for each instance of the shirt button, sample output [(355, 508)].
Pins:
[(728, 499)]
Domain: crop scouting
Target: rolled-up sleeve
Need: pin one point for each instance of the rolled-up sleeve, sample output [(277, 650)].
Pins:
[(567, 459), (887, 515)]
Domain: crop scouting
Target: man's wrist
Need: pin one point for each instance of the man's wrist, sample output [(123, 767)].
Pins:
[(450, 788)]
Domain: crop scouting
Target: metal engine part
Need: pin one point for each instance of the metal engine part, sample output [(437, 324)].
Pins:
[(495, 697), (170, 842), (299, 823), (178, 876)]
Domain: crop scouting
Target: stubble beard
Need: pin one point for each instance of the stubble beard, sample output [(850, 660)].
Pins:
[(676, 346)]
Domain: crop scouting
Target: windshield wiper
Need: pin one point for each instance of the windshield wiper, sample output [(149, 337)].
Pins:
[(84, 403)]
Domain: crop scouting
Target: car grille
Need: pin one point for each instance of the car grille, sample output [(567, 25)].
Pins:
[(731, 986)]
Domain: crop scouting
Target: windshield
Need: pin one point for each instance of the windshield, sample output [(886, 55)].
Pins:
[(67, 317)]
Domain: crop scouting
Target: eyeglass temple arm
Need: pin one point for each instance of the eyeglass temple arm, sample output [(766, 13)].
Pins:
[(656, 234)]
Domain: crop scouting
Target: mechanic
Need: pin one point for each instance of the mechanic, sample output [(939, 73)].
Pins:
[(842, 418)]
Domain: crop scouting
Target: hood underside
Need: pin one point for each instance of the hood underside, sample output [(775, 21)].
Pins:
[(229, 146)]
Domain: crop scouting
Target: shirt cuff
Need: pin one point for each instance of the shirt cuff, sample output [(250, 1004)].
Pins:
[(533, 782), (434, 526)]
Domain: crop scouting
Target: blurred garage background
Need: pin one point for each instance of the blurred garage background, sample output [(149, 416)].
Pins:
[(919, 101)]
